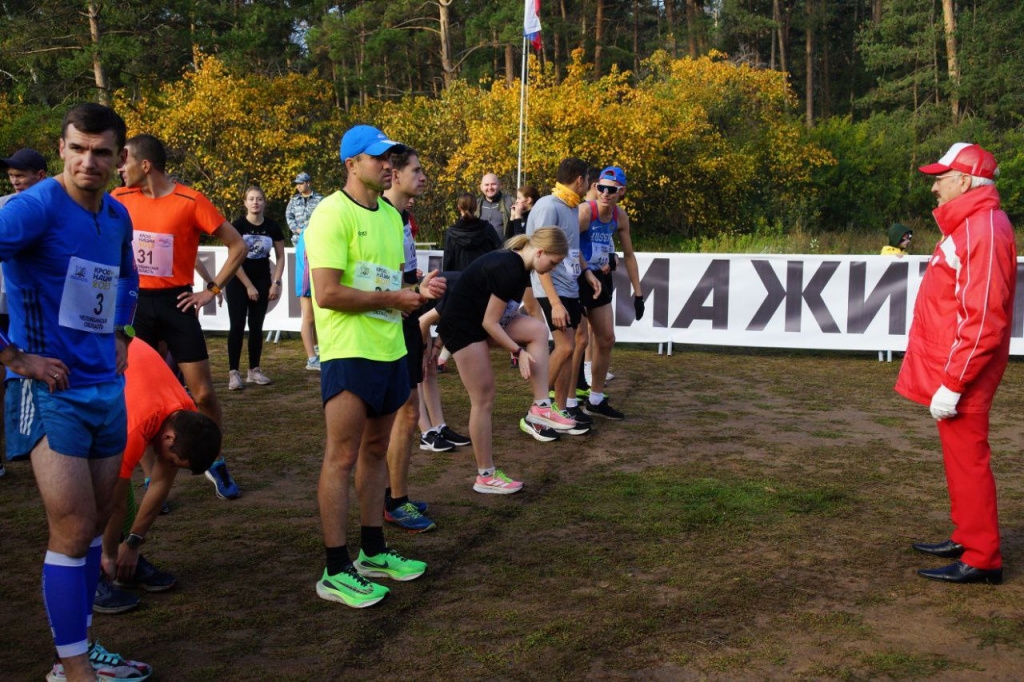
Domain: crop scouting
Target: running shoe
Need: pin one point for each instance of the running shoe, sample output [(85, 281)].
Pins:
[(222, 481), (432, 440), (149, 577), (541, 433), (313, 364), (579, 416), (111, 600), (256, 376), (235, 380), (350, 589), (408, 517), (442, 367), (421, 506), (454, 438), (111, 666), (389, 564), (497, 484), (602, 409), (550, 417)]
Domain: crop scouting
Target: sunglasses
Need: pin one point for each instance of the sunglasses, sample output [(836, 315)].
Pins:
[(607, 189)]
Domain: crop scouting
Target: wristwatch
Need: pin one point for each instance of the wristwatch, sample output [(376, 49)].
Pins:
[(212, 287), (277, 282), (134, 540)]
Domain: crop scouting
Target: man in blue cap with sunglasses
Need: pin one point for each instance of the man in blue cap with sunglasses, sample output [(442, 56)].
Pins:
[(601, 220), (355, 250)]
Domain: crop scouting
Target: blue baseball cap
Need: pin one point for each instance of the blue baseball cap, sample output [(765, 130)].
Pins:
[(365, 139), (614, 173)]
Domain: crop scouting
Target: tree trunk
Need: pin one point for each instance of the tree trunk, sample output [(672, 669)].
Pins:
[(826, 94), (691, 27), (809, 116), (949, 23), (510, 65), (876, 12), (636, 36), (598, 37), (97, 61), (783, 37), (447, 68), (670, 17)]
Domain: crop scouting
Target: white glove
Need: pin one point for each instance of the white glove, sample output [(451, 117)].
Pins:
[(944, 403)]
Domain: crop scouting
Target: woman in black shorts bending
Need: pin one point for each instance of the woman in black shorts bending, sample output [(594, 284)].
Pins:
[(482, 312)]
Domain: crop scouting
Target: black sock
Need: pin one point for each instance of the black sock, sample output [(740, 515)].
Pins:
[(395, 503), (372, 540), (337, 559), (387, 495)]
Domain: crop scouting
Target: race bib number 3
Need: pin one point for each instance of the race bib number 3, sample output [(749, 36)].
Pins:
[(154, 253), (572, 263), (89, 298), (372, 277)]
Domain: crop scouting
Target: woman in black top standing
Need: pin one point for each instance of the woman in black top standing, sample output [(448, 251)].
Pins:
[(526, 197), (469, 238), (253, 287)]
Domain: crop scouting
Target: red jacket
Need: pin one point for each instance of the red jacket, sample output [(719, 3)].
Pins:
[(960, 336)]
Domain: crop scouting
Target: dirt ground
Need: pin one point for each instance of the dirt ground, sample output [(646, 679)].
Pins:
[(751, 519)]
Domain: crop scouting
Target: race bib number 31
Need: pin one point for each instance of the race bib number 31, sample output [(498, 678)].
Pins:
[(89, 298), (154, 253), (372, 277)]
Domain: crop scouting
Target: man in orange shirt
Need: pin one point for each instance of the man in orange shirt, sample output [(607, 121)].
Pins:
[(168, 220), (163, 421)]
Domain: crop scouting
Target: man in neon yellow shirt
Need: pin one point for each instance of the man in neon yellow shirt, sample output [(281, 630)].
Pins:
[(354, 244)]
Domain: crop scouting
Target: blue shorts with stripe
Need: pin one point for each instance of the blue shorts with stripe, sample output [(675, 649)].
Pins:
[(82, 421)]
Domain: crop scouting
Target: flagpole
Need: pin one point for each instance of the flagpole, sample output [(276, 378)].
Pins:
[(522, 113)]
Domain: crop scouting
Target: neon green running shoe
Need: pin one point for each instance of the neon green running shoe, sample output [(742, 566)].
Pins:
[(350, 588), (389, 564)]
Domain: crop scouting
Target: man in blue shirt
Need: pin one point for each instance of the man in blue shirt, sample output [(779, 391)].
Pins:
[(72, 287)]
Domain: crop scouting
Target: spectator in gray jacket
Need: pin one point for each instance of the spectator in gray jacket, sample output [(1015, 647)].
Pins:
[(301, 205), (494, 206)]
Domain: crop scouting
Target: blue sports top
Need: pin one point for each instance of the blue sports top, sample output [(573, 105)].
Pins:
[(70, 278), (596, 243)]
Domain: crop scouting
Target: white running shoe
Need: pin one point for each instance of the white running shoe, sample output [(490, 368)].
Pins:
[(256, 376), (235, 380)]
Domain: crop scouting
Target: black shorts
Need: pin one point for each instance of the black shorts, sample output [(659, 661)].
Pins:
[(158, 318), (414, 349), (587, 299), (572, 305), (383, 386)]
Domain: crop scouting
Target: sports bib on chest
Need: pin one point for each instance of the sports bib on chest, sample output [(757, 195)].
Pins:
[(259, 245), (154, 253), (572, 263), (90, 296), (372, 277)]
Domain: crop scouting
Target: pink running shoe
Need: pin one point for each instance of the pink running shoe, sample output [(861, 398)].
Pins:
[(550, 417), (498, 484)]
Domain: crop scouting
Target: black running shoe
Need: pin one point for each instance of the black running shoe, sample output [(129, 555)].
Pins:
[(579, 416), (149, 577), (434, 442), (603, 409), (538, 431), (454, 438), (109, 599)]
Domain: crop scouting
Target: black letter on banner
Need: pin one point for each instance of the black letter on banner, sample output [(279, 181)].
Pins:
[(1017, 327), (714, 282), (794, 295), (209, 262), (653, 283), (892, 285)]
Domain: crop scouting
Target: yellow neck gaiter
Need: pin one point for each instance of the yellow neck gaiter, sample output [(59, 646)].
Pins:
[(571, 199)]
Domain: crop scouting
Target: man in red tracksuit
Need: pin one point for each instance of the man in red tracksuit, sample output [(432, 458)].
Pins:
[(957, 352)]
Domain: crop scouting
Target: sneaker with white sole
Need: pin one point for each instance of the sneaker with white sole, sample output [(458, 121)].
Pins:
[(455, 438), (541, 433), (235, 380), (225, 486), (432, 441), (350, 588), (549, 417), (256, 376), (602, 409), (111, 666), (389, 564), (313, 364), (497, 484)]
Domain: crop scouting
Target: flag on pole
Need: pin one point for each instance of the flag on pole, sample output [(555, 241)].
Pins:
[(531, 23)]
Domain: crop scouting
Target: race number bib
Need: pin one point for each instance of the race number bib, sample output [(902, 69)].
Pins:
[(258, 245), (90, 296), (154, 253), (372, 277), (601, 249), (572, 263)]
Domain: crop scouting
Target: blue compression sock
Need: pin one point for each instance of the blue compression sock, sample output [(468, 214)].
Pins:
[(92, 575), (64, 587)]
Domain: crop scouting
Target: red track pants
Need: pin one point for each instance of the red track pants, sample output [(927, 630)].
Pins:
[(972, 488)]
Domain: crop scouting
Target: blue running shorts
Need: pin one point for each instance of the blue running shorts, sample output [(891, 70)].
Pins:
[(383, 386)]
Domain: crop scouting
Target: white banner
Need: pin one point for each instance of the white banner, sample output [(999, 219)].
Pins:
[(774, 301)]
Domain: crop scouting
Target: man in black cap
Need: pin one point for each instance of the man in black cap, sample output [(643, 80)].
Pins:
[(24, 168)]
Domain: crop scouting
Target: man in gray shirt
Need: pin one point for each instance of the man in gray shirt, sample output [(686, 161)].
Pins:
[(558, 292), (301, 205), (494, 206)]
